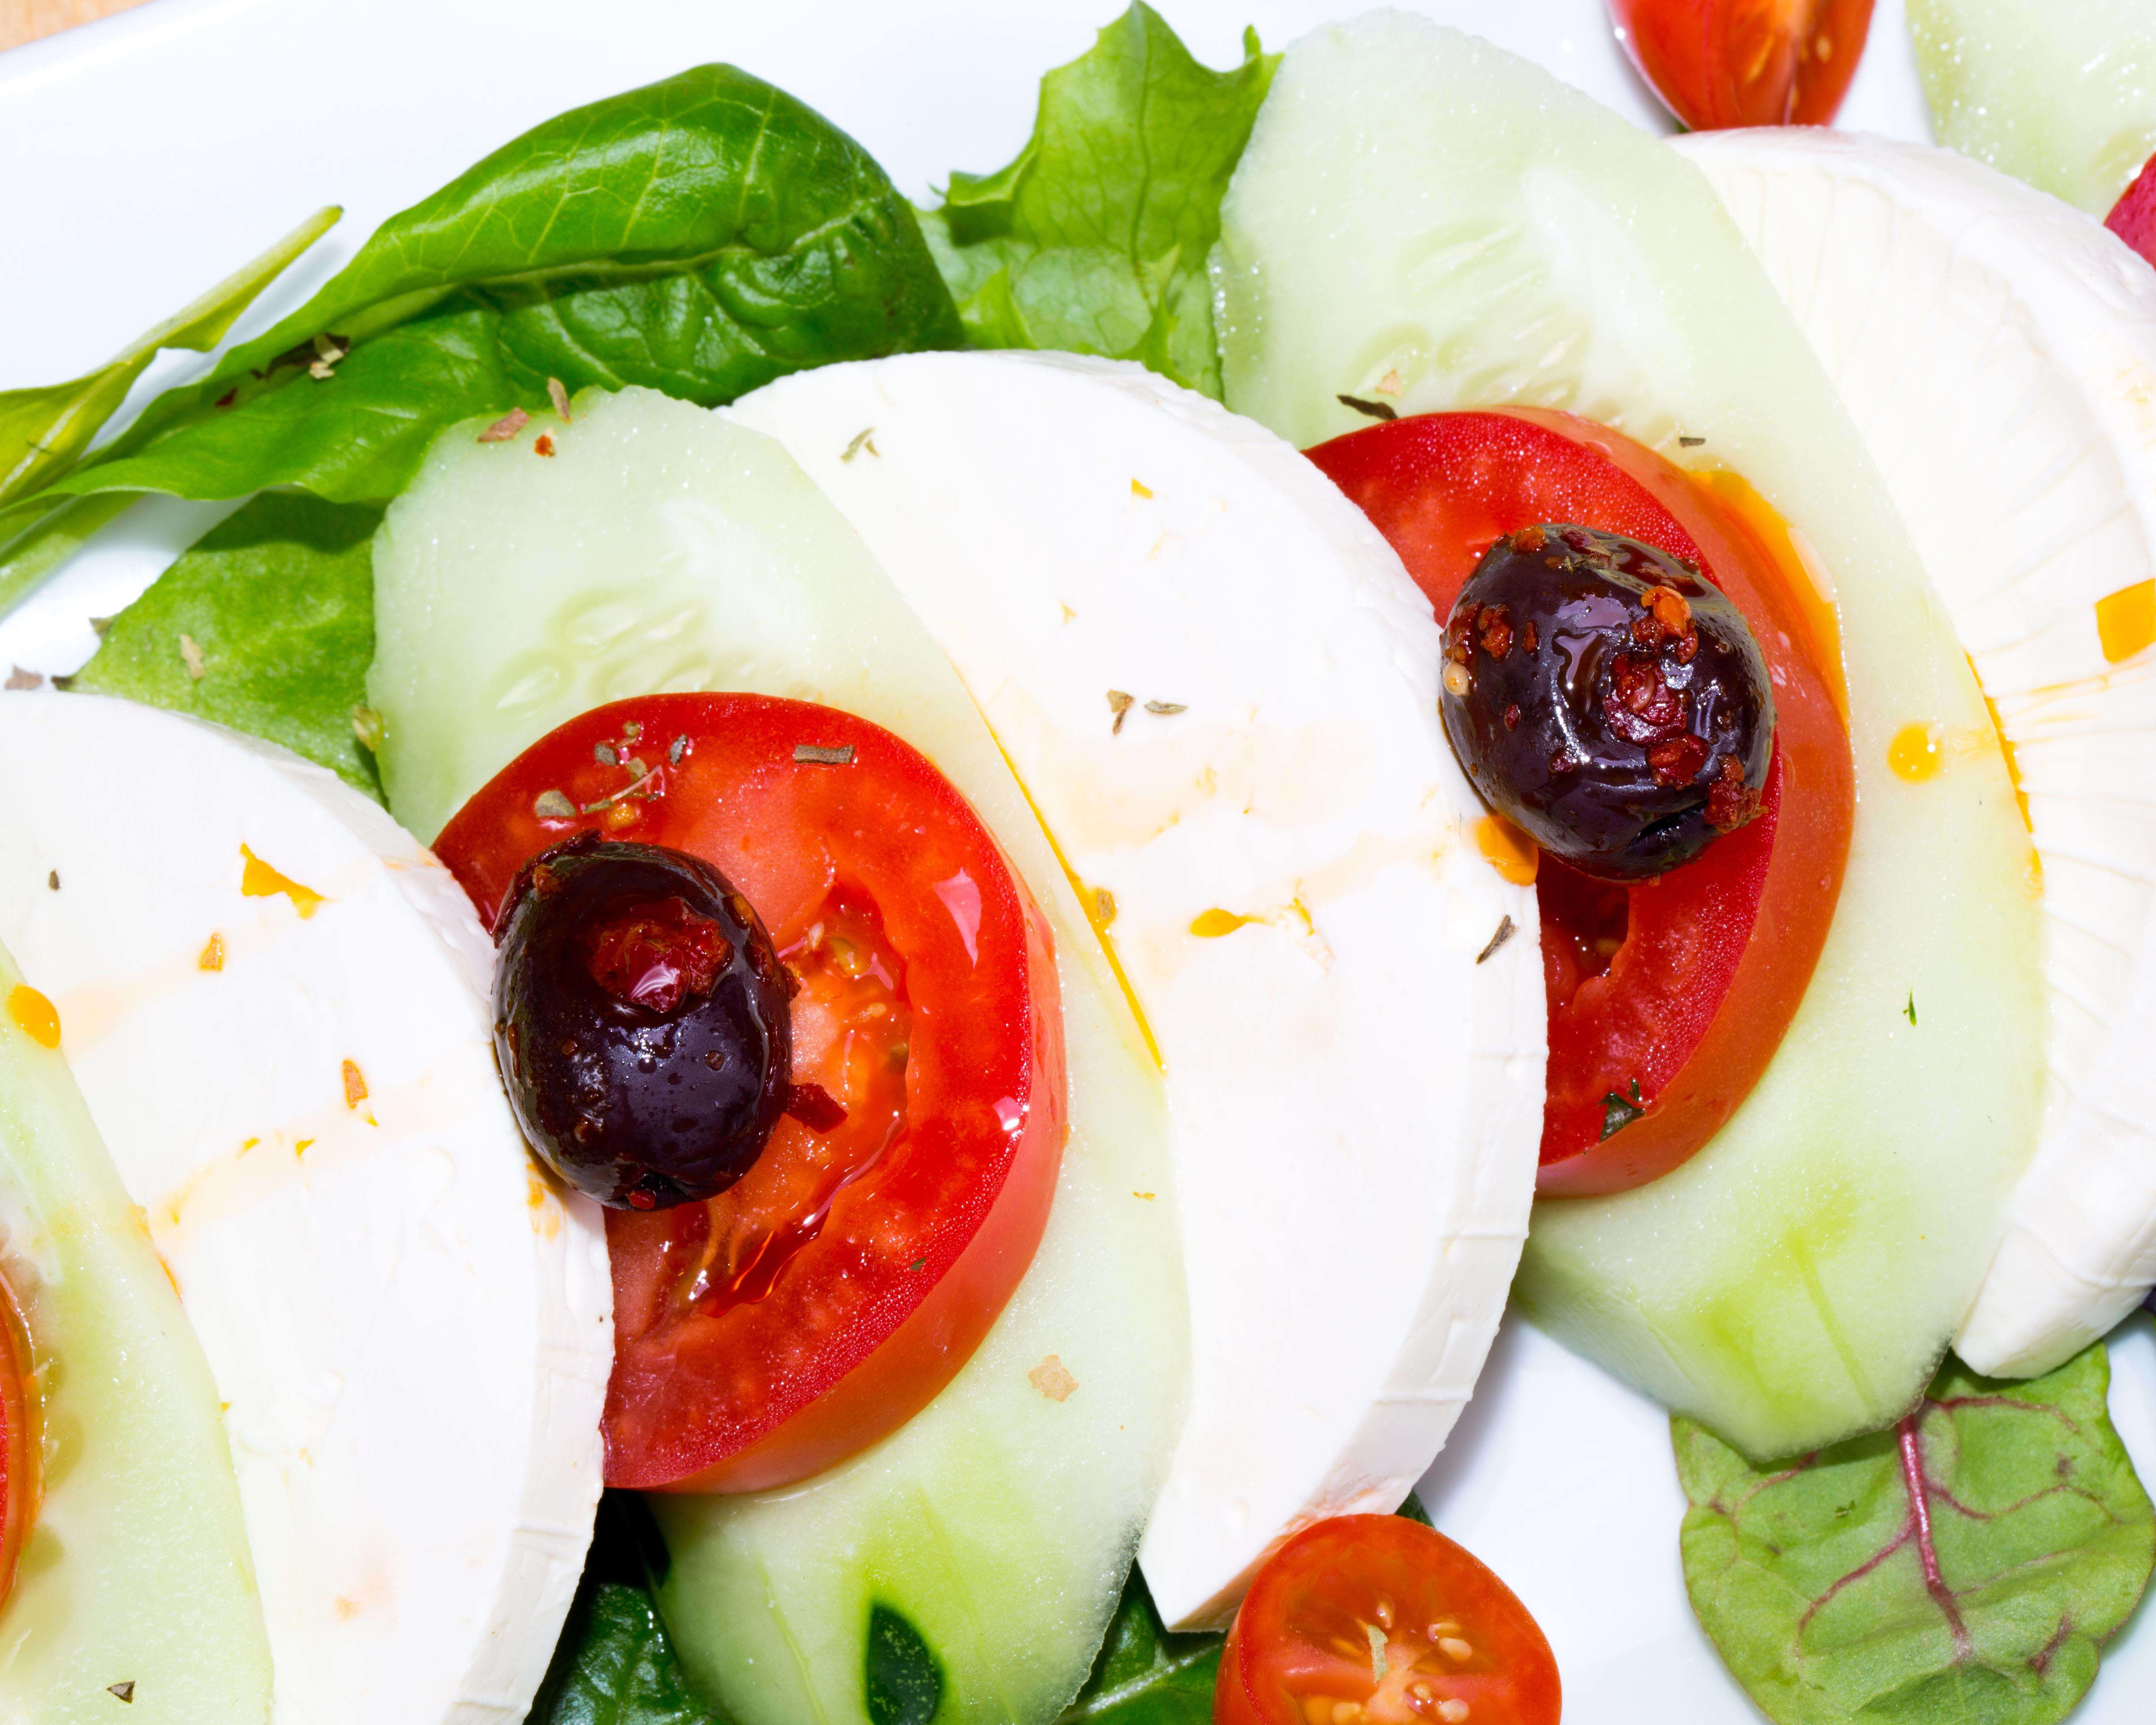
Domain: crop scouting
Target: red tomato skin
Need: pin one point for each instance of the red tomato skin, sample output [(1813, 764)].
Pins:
[(1717, 63), (902, 1375), (1345, 1565), (2132, 218), (20, 1439), (1753, 910), (988, 1040)]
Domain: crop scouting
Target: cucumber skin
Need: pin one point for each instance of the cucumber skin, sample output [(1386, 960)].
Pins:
[(137, 1565), (1797, 1281)]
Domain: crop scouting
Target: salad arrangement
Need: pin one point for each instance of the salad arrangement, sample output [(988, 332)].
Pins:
[(962, 891)]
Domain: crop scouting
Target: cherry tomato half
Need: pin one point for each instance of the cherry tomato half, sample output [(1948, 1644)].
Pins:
[(826, 1297), (1668, 997), (1723, 62), (1380, 1620)]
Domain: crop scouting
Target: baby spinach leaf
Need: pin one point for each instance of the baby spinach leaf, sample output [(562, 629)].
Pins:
[(357, 436), (1965, 1565), (701, 236), (1094, 238), (615, 1666), (267, 626), (43, 431), (1145, 1674)]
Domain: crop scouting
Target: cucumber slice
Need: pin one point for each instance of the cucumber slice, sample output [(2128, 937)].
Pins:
[(972, 1560), (1415, 201), (137, 1570), (2061, 95)]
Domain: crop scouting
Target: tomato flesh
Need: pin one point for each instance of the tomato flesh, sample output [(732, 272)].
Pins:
[(1666, 998), (19, 1438), (1725, 63), (828, 1294), (1348, 1597)]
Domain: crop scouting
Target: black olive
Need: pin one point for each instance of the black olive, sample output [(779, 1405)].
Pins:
[(641, 1022), (1605, 698)]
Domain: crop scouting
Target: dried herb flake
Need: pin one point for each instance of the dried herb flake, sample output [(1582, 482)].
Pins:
[(1506, 930), (1375, 409)]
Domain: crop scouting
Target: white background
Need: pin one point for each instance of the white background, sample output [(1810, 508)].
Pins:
[(144, 158)]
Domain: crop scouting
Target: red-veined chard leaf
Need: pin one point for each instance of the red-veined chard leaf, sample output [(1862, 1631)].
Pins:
[(1965, 1566)]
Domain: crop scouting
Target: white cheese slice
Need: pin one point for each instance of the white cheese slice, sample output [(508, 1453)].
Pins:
[(1998, 352), (1219, 689), (410, 1329)]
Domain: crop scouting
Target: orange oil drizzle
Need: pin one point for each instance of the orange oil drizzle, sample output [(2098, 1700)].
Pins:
[(1511, 852), (1801, 583), (2126, 621), (35, 1016), (258, 880)]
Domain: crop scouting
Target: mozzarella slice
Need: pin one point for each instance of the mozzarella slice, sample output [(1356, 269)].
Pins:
[(1219, 689), (276, 1005), (1998, 352)]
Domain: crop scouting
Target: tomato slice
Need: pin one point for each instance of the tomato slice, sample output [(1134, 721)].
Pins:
[(1378, 1619), (1723, 62), (1668, 997), (825, 1299)]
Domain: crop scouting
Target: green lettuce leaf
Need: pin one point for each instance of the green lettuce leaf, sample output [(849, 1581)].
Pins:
[(1966, 1565), (1094, 239), (275, 607), (702, 236)]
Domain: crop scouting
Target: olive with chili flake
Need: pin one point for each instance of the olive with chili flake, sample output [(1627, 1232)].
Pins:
[(641, 1022), (1607, 700)]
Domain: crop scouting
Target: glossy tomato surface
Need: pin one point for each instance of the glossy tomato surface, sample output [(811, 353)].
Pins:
[(1382, 1615), (1668, 997), (818, 1303), (1725, 63)]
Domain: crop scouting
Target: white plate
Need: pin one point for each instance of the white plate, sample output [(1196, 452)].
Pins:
[(146, 156)]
